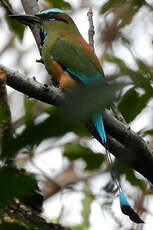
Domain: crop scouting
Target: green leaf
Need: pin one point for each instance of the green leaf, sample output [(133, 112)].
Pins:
[(13, 226), (86, 210), (110, 5), (4, 116), (86, 203), (147, 73), (14, 184), (29, 106), (143, 68), (149, 132), (84, 102), (121, 64), (141, 78), (34, 134), (126, 9), (59, 4), (81, 131), (130, 176), (76, 110), (132, 104), (16, 27), (74, 151)]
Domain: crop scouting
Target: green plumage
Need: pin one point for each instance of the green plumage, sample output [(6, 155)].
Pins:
[(65, 45)]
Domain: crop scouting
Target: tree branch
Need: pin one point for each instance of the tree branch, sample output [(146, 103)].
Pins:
[(32, 88), (134, 151), (122, 141), (31, 7), (23, 215), (91, 30), (5, 113)]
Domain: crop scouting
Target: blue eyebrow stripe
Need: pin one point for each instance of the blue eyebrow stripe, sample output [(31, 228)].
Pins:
[(52, 10)]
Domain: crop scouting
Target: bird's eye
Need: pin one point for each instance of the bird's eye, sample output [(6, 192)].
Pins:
[(50, 16)]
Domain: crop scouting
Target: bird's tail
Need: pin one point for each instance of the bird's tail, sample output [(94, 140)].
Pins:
[(98, 123), (124, 204)]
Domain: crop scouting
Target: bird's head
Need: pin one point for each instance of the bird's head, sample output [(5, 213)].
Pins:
[(44, 16), (49, 20)]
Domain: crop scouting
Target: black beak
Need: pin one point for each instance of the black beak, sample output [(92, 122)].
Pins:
[(26, 19)]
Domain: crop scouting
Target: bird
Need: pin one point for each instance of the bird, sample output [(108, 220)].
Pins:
[(71, 61)]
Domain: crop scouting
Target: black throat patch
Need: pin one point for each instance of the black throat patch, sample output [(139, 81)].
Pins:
[(43, 36)]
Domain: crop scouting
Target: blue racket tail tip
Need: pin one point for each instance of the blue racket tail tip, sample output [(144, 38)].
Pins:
[(127, 209), (123, 199)]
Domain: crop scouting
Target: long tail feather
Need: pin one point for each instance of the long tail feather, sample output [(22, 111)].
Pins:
[(126, 208), (123, 199), (98, 123)]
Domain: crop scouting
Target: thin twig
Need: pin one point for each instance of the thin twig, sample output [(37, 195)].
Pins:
[(91, 30), (118, 114)]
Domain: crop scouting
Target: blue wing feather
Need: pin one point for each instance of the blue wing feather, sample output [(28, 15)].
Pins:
[(84, 79)]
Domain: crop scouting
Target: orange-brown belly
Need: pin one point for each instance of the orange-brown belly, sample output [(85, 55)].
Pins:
[(63, 78)]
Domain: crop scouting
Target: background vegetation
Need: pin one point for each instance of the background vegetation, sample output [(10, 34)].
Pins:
[(47, 152)]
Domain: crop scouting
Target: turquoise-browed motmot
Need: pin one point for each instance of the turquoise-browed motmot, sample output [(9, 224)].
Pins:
[(70, 60)]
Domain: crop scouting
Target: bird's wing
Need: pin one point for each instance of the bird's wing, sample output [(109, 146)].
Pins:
[(77, 58)]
